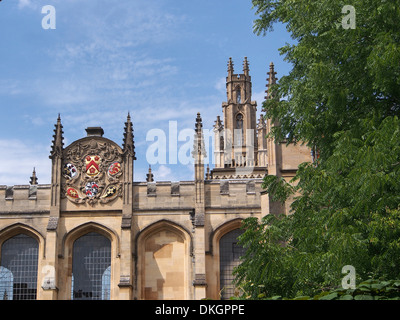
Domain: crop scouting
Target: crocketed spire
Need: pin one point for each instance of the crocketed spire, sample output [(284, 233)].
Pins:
[(246, 66), (271, 80), (34, 179), (218, 124), (198, 144), (230, 66), (58, 140), (149, 176), (128, 144)]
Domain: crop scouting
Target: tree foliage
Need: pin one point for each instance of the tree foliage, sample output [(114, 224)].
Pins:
[(338, 75), (366, 290), (343, 98), (347, 214)]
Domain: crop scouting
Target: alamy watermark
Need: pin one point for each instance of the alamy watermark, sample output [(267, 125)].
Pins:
[(49, 278), (349, 20), (222, 148), (49, 20), (349, 281)]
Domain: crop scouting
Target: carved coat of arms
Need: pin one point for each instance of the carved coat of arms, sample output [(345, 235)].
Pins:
[(92, 171)]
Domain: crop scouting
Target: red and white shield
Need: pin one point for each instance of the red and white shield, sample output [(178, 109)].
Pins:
[(114, 169), (92, 165), (72, 193), (91, 189)]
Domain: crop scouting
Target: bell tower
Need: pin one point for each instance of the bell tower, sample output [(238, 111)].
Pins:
[(239, 118), (236, 142)]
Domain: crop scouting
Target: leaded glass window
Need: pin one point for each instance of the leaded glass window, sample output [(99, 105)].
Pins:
[(91, 268), (238, 96), (239, 130), (230, 252), (19, 268)]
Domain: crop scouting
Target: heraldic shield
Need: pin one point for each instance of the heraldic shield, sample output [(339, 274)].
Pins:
[(92, 165)]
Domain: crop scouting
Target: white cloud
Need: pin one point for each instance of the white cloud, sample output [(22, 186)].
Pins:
[(175, 172), (31, 4), (163, 173), (17, 160), (10, 87), (24, 3), (114, 26), (259, 97), (220, 85), (109, 60), (36, 121)]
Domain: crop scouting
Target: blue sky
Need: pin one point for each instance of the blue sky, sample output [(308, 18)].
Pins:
[(160, 60)]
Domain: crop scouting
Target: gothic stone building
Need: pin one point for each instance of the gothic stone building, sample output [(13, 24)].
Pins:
[(96, 233)]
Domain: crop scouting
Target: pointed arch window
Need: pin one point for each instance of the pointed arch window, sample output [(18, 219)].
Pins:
[(91, 267), (19, 268), (239, 129), (238, 95), (230, 252), (221, 143), (239, 121)]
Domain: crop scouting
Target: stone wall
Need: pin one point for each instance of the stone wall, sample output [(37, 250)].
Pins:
[(161, 236)]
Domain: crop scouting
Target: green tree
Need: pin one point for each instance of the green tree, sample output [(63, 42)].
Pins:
[(339, 75), (341, 97)]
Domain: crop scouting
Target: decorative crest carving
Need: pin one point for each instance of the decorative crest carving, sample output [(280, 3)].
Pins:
[(92, 170)]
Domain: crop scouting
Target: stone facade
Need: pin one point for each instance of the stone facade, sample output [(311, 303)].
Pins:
[(163, 238)]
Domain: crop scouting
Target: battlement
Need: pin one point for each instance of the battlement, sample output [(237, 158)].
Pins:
[(239, 77), (224, 193), (24, 198), (154, 196)]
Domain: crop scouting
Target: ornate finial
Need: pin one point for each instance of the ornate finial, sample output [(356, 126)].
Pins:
[(199, 124), (58, 141), (34, 178), (271, 80), (208, 175), (128, 145), (198, 143), (246, 66), (261, 123), (149, 176), (218, 124), (230, 66)]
